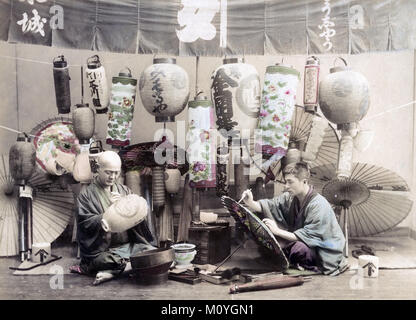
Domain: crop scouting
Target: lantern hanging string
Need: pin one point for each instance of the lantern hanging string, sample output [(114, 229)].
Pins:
[(70, 66), (389, 110)]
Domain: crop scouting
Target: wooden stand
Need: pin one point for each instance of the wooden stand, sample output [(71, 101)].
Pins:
[(213, 243)]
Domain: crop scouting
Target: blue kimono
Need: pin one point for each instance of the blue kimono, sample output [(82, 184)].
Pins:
[(314, 223)]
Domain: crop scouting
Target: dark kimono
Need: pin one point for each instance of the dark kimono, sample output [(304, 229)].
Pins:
[(314, 224), (101, 250)]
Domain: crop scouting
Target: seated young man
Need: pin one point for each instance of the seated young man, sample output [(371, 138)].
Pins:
[(304, 221), (103, 254)]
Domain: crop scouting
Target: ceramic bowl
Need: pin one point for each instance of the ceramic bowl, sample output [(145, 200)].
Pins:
[(184, 253)]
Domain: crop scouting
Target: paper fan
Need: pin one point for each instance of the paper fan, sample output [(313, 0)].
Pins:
[(52, 135), (373, 198), (255, 227), (52, 209), (301, 127)]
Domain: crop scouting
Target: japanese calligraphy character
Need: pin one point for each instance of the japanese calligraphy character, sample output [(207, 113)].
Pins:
[(35, 24)]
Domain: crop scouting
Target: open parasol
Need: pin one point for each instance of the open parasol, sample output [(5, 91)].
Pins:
[(300, 130), (52, 209), (255, 227), (373, 198), (52, 135)]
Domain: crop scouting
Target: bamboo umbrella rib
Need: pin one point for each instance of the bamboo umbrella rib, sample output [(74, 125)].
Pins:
[(371, 226), (49, 213), (382, 216)]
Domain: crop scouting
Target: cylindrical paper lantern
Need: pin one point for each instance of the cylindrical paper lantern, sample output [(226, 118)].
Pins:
[(221, 170), (97, 81), (83, 119), (61, 80), (236, 94), (311, 84), (344, 166), (344, 96), (201, 150), (279, 94), (164, 89), (96, 149), (316, 136), (158, 187), (22, 159), (123, 96), (134, 181)]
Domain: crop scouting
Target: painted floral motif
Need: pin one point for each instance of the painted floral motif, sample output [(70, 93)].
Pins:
[(121, 114), (277, 106), (201, 150)]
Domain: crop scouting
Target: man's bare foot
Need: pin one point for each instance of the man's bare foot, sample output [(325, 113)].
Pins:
[(102, 276)]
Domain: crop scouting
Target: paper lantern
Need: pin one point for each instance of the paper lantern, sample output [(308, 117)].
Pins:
[(96, 149), (311, 84), (83, 119), (344, 96), (164, 89), (315, 139), (201, 150), (293, 155), (97, 81), (158, 187), (124, 214), (82, 169), (123, 97), (22, 159), (61, 80), (236, 95), (344, 165), (278, 101)]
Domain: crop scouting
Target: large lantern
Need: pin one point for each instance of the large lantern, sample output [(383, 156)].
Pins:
[(164, 89), (344, 96), (83, 119), (278, 101), (22, 159), (344, 99), (201, 150), (123, 97), (236, 94), (97, 81)]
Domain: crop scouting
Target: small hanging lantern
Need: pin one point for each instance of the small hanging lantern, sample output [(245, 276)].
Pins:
[(61, 80), (344, 96), (278, 101), (236, 95), (123, 97), (82, 169), (315, 138), (311, 84), (201, 150), (164, 89), (158, 187), (344, 165), (96, 149), (83, 119), (22, 159), (172, 180), (97, 81)]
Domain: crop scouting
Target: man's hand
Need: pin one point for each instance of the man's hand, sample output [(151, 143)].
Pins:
[(247, 197), (272, 225), (115, 196)]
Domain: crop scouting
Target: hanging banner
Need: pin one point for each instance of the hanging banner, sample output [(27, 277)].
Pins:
[(212, 27)]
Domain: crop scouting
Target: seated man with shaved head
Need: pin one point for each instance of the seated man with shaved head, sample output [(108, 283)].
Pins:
[(103, 254)]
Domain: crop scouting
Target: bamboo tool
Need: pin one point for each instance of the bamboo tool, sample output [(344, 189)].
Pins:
[(242, 198), (271, 283), (185, 217)]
